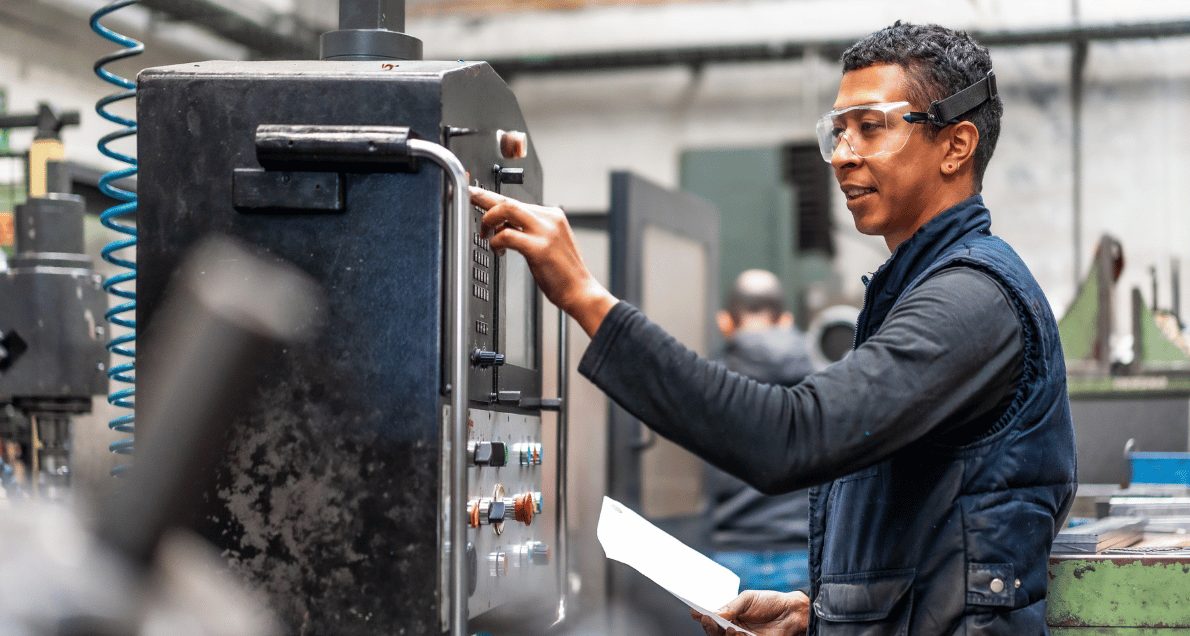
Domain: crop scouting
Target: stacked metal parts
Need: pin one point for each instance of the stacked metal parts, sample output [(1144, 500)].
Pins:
[(1100, 535), (414, 425), (51, 323), (1167, 515)]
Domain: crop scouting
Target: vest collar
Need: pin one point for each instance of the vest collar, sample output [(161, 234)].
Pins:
[(921, 250)]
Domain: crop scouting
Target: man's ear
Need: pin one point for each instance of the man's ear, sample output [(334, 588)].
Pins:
[(960, 150), (726, 324)]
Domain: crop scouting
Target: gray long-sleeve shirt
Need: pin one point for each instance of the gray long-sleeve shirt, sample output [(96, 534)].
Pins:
[(944, 364)]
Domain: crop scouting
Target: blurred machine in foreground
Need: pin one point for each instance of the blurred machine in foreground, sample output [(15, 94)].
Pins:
[(122, 567), (51, 321)]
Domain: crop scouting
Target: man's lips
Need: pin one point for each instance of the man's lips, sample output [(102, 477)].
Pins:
[(854, 192)]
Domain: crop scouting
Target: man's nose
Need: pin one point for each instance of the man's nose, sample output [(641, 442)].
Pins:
[(844, 155)]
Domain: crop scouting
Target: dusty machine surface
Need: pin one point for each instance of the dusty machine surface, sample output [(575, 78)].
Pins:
[(334, 494)]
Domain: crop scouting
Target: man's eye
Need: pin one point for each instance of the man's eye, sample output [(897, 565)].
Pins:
[(837, 132), (870, 126)]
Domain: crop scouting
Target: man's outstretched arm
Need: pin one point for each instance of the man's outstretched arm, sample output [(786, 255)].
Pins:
[(946, 354), (949, 350)]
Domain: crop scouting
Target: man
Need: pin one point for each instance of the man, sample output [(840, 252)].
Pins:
[(942, 445), (761, 538)]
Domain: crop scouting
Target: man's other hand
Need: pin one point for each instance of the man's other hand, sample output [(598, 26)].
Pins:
[(543, 236), (765, 613)]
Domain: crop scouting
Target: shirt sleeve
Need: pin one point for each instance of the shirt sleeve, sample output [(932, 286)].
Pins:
[(950, 351)]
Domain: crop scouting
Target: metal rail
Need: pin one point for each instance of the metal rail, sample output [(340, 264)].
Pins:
[(561, 524), (457, 500)]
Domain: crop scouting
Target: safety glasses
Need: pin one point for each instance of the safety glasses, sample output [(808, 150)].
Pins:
[(866, 130), (872, 130)]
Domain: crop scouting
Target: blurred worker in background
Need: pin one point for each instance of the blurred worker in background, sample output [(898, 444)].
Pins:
[(941, 449), (761, 538)]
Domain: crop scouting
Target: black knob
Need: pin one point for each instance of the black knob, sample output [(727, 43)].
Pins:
[(484, 359), (511, 175), (496, 511), (490, 453), (483, 453), (499, 454)]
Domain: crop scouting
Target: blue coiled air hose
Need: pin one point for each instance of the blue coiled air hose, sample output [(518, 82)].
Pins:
[(120, 218)]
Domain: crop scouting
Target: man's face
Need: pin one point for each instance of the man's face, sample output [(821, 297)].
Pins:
[(889, 194)]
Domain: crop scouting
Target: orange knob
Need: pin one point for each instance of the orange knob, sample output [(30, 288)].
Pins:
[(514, 144), (473, 514), (524, 508)]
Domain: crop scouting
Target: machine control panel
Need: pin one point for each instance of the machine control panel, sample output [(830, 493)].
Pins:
[(481, 313), (508, 523), (508, 510)]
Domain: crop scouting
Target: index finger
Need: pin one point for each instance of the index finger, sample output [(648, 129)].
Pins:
[(486, 199)]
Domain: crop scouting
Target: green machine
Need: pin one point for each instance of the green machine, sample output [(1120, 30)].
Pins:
[(1120, 594), (1142, 586), (1139, 399)]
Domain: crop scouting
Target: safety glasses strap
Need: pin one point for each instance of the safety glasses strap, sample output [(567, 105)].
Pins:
[(947, 111)]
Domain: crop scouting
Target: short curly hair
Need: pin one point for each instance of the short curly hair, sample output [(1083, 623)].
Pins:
[(939, 62)]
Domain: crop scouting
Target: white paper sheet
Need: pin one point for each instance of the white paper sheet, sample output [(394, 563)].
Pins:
[(683, 571)]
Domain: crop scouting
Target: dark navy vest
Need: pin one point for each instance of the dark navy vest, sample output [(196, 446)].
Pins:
[(942, 539)]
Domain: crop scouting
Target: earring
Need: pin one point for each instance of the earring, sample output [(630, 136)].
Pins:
[(949, 168)]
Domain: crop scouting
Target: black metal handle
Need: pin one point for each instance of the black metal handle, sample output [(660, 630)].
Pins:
[(321, 148)]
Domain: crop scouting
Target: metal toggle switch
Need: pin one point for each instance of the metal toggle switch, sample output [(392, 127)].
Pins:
[(484, 359)]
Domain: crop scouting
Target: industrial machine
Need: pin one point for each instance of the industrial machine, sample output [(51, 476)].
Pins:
[(1139, 403), (390, 476), (51, 321)]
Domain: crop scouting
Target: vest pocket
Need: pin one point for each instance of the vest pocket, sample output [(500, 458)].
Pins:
[(881, 599), (991, 584), (863, 473)]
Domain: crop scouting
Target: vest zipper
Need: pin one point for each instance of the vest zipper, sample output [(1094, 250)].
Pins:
[(863, 319)]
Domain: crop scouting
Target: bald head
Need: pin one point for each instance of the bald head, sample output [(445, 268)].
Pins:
[(756, 291), (756, 302)]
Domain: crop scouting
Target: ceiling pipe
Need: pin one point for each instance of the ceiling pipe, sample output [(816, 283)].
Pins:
[(697, 57), (300, 42)]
